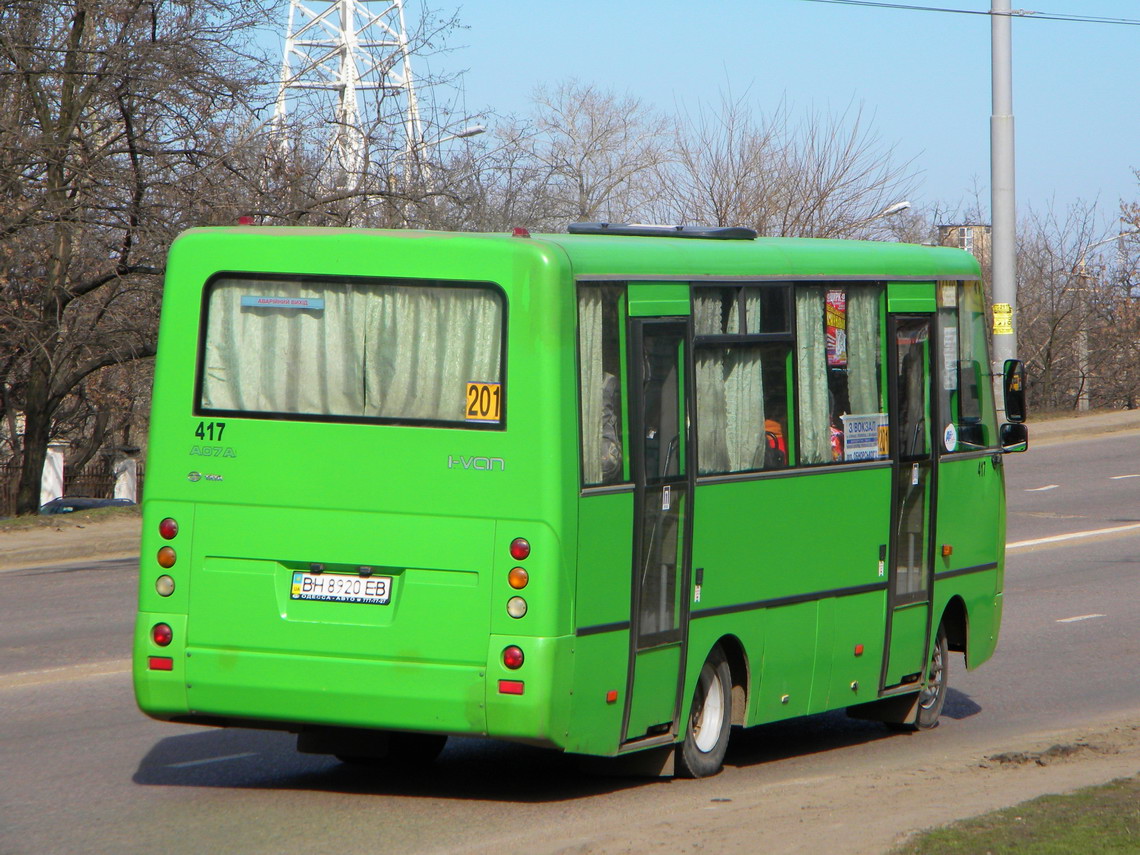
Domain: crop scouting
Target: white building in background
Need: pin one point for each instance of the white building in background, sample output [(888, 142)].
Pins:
[(975, 238)]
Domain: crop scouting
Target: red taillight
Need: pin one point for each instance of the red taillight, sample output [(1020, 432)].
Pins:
[(160, 663), (510, 687), (168, 528), (166, 557), (519, 231), (513, 657), (161, 634), (520, 548), (245, 220)]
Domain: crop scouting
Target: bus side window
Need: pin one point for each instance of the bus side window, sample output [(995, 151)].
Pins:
[(838, 373), (599, 354), (741, 377), (965, 393)]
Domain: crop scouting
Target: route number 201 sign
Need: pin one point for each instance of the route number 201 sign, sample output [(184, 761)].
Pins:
[(484, 402)]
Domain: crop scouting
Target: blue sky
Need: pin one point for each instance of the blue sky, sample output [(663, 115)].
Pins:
[(923, 77)]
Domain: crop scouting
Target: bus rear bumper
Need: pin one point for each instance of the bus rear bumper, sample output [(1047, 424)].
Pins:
[(221, 686), (226, 686), (434, 697)]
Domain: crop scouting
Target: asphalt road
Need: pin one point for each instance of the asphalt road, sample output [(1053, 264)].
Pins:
[(81, 770)]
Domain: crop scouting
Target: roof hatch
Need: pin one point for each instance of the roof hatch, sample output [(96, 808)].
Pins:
[(644, 230)]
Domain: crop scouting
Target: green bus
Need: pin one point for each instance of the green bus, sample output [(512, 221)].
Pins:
[(607, 492)]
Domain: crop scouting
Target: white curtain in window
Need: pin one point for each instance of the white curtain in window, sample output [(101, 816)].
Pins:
[(424, 345), (383, 351), (711, 412), (283, 360), (730, 409), (744, 400), (713, 449), (590, 348), (730, 389), (811, 375), (706, 311), (863, 350)]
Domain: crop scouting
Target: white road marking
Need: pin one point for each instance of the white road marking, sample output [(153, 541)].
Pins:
[(22, 679), (1058, 538), (186, 764), (1042, 489), (1077, 618), (1122, 477)]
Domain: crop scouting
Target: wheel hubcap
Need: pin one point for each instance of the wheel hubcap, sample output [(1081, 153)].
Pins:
[(707, 721), (933, 688)]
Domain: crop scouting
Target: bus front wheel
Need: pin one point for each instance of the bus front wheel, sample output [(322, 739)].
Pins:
[(710, 720)]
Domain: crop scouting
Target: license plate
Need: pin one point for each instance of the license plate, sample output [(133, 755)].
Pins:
[(341, 588)]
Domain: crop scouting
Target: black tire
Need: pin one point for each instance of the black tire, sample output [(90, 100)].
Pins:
[(707, 729), (932, 696)]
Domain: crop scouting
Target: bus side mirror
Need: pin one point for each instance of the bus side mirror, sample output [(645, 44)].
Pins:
[(1014, 437), (1014, 390)]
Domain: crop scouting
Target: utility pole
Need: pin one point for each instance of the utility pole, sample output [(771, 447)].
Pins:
[(1003, 208), (338, 50)]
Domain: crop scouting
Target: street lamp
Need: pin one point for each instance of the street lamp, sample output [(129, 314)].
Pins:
[(889, 211), (422, 164), (1082, 331), (469, 131), (896, 208)]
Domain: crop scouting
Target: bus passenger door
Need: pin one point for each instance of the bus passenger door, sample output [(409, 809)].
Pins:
[(911, 366), (662, 493)]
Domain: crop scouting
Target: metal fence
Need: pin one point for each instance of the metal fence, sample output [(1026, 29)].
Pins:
[(95, 480)]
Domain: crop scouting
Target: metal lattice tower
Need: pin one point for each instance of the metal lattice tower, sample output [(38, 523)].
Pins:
[(349, 54)]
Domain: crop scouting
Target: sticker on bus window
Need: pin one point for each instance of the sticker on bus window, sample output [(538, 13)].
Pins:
[(484, 402), (252, 302)]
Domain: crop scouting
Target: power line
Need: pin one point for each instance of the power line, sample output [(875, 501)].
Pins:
[(1015, 13)]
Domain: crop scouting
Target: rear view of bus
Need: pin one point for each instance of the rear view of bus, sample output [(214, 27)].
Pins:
[(339, 536)]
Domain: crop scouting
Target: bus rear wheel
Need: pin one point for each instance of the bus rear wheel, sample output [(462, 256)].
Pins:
[(710, 720), (932, 696)]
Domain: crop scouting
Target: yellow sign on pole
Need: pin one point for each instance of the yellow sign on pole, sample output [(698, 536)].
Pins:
[(1003, 319)]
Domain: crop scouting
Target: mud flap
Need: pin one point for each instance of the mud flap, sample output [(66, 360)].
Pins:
[(896, 709), (650, 763)]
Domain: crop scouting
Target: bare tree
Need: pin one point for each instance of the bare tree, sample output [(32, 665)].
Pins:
[(817, 176), (1056, 299), (594, 151), (114, 113)]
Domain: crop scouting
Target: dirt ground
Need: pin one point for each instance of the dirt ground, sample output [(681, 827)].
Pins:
[(860, 811), (66, 538), (812, 814)]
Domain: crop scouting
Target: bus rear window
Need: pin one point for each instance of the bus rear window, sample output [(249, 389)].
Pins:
[(354, 350)]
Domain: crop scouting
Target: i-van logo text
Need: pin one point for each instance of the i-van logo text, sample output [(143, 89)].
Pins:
[(484, 464)]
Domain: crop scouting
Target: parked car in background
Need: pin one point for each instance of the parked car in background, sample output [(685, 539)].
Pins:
[(69, 504)]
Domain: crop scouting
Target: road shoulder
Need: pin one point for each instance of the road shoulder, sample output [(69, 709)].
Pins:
[(65, 539)]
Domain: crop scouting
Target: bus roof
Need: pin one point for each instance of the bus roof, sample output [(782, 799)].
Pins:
[(658, 258), (605, 256)]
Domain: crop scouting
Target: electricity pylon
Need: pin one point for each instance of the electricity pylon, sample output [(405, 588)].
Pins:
[(350, 54)]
